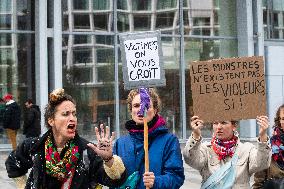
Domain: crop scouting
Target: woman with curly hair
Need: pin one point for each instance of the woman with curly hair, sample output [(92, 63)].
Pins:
[(61, 158), (273, 177)]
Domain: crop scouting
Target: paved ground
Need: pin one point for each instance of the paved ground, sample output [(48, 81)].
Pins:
[(5, 181)]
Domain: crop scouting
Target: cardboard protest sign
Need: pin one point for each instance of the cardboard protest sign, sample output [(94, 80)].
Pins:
[(228, 89), (142, 60)]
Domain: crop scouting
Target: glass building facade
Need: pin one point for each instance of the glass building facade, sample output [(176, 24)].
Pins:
[(74, 44)]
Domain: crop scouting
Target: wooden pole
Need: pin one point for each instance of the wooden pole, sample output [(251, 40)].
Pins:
[(146, 143)]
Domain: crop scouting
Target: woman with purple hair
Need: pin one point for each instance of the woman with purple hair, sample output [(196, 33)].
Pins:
[(165, 159)]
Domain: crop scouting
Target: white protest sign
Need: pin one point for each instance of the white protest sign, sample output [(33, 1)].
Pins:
[(142, 60)]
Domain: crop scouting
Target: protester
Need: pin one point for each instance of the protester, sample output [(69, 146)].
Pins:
[(61, 158), (166, 165), (273, 177), (32, 116), (11, 119), (226, 162)]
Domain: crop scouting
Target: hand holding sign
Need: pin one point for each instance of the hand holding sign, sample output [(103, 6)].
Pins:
[(196, 125), (263, 123)]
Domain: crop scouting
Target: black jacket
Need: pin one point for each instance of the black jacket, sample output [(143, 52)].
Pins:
[(32, 122), (12, 116), (30, 154)]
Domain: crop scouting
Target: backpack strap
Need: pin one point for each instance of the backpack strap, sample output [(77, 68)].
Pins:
[(220, 174)]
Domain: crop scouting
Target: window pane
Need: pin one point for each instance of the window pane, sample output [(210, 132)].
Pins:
[(25, 14), (275, 19), (5, 39), (141, 5), (64, 5), (104, 55), (82, 39), (5, 6), (165, 20), (5, 56), (101, 4), (65, 22), (25, 55), (101, 21), (209, 19), (273, 16), (82, 74), (104, 40), (122, 22), (81, 4), (165, 4), (81, 21), (104, 74), (122, 4), (142, 22), (82, 56), (5, 22), (201, 31)]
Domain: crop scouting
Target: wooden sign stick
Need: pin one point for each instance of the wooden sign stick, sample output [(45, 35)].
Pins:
[(146, 143)]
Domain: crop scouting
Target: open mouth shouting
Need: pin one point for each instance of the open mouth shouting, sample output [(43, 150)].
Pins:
[(71, 128)]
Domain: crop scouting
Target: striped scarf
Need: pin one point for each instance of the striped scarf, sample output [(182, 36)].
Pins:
[(277, 141)]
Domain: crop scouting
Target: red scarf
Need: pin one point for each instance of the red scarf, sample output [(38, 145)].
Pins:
[(224, 148)]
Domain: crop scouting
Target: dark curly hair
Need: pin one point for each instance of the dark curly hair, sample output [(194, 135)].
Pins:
[(153, 95), (56, 97), (277, 116)]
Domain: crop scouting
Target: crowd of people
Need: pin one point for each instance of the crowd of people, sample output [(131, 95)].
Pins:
[(61, 158)]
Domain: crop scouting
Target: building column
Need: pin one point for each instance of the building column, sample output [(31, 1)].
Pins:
[(41, 66), (57, 44), (245, 48)]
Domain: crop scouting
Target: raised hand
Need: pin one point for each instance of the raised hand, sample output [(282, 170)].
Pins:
[(104, 146), (196, 125), (263, 123)]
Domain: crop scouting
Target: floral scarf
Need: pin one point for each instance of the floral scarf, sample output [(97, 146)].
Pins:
[(61, 168), (277, 141), (224, 148)]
